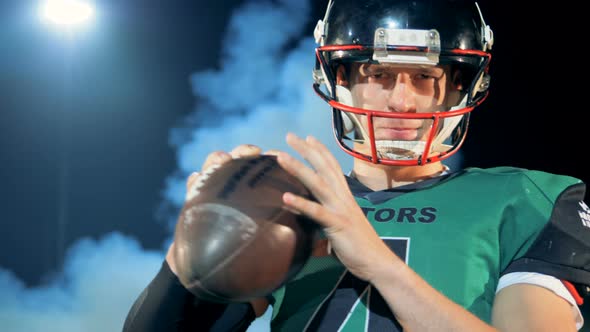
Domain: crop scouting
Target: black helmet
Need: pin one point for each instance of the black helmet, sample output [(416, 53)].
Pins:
[(417, 34)]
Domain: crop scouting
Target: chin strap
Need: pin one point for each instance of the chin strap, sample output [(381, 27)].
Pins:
[(448, 125)]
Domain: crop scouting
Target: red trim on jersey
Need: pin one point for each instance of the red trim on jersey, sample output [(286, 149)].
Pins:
[(572, 289)]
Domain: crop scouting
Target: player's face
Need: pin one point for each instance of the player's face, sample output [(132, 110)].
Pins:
[(393, 88)]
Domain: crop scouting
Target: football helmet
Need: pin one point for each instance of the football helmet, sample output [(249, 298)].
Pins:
[(402, 76)]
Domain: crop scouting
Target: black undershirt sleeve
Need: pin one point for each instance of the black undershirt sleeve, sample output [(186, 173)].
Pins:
[(165, 305), (562, 249)]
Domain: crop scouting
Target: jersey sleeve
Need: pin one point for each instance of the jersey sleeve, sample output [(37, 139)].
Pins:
[(165, 305), (561, 247)]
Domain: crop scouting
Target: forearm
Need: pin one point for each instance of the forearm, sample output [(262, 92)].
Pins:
[(420, 307), (161, 306), (165, 305)]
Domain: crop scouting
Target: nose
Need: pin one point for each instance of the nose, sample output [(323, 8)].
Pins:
[(402, 97)]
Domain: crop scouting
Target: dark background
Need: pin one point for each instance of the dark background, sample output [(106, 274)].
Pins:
[(92, 122)]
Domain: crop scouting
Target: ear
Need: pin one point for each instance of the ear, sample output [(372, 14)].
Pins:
[(457, 79), (341, 78), (455, 92)]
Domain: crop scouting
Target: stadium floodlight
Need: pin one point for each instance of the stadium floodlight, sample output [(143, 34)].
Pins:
[(66, 13)]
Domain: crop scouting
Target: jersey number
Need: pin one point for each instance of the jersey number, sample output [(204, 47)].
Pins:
[(354, 305)]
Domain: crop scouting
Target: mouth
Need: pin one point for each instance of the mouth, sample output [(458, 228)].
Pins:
[(396, 133)]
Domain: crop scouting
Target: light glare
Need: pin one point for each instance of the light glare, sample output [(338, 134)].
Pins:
[(67, 12)]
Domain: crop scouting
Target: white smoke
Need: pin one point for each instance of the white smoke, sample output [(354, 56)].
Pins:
[(261, 91), (92, 294)]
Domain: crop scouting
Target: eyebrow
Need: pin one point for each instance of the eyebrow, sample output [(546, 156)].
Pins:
[(439, 70)]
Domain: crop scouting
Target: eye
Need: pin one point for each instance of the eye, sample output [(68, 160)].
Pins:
[(377, 75), (424, 76), (381, 75), (435, 73)]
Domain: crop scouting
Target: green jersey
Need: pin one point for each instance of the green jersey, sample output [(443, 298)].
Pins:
[(460, 232)]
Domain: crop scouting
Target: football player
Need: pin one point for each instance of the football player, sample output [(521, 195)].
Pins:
[(410, 244)]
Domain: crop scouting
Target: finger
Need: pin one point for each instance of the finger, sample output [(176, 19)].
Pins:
[(324, 152), (308, 149), (272, 152), (333, 172), (306, 175), (215, 158), (312, 151), (298, 145), (245, 150), (310, 209)]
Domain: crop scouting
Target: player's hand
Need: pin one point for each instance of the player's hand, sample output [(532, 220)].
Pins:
[(351, 236)]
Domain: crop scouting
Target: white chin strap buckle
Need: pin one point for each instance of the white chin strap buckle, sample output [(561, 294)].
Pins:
[(400, 150)]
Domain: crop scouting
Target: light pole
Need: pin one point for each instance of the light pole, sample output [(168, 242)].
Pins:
[(67, 16)]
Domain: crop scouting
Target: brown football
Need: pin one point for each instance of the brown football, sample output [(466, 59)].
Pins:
[(234, 241)]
